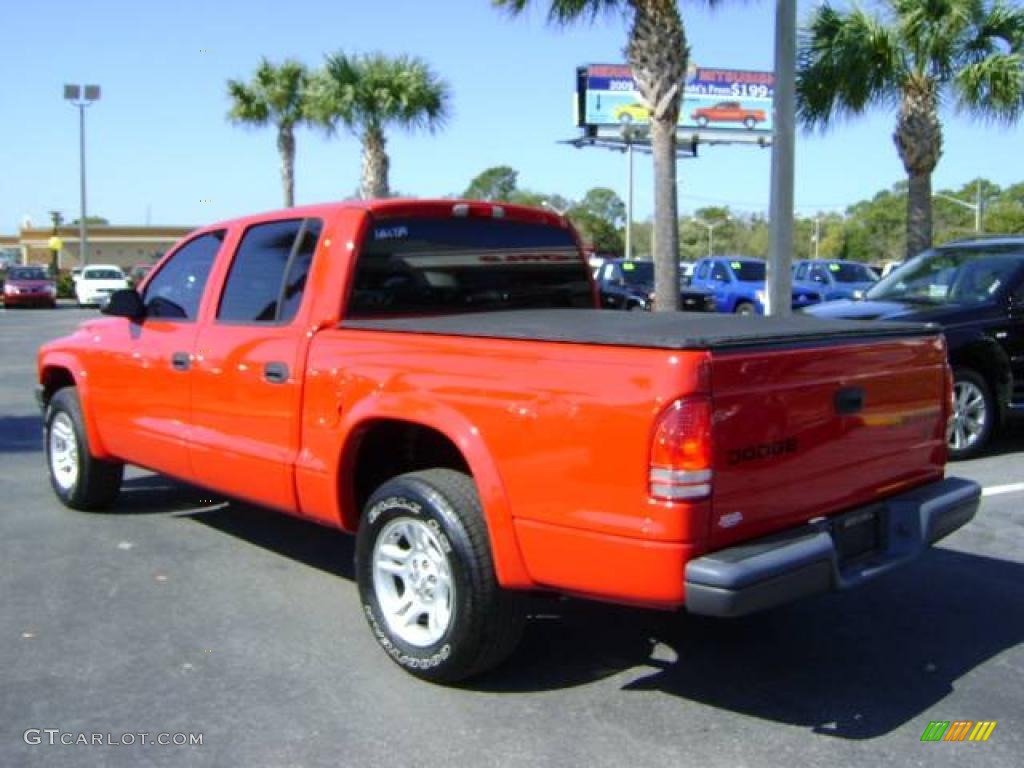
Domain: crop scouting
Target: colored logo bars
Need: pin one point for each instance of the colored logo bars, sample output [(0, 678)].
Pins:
[(958, 730)]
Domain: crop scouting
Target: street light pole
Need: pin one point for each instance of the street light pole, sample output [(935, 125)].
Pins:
[(629, 204), (976, 207), (629, 136), (711, 233), (82, 97), (55, 243)]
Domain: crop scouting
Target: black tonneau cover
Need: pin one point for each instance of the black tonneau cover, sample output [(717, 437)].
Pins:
[(655, 330)]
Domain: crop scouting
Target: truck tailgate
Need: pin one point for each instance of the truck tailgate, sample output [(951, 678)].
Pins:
[(808, 431)]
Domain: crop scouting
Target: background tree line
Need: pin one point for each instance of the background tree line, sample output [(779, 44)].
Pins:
[(871, 230)]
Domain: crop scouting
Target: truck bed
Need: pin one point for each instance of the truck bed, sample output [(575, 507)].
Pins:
[(657, 330)]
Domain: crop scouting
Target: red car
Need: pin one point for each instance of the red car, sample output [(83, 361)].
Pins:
[(29, 287), (728, 112)]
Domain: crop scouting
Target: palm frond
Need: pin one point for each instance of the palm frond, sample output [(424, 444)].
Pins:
[(373, 90), (993, 88), (275, 94), (996, 28), (847, 62), (564, 12), (246, 106)]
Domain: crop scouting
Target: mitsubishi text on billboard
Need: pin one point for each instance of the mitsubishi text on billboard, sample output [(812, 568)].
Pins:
[(714, 100)]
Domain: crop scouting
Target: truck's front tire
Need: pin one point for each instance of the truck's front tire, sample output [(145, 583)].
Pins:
[(426, 578), (80, 480)]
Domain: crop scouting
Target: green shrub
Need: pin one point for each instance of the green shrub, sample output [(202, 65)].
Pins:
[(65, 286)]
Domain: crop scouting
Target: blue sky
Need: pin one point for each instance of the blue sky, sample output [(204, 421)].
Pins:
[(159, 144)]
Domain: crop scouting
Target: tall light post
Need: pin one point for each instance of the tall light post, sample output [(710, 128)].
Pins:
[(82, 97), (711, 233)]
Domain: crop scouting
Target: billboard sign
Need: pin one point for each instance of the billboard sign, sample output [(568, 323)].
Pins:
[(720, 102)]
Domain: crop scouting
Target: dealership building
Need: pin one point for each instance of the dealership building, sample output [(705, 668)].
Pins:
[(123, 246)]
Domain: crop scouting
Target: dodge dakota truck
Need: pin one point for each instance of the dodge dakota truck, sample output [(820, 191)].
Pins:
[(435, 377)]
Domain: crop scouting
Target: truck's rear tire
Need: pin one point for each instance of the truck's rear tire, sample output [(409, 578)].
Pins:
[(80, 480), (426, 578), (974, 414)]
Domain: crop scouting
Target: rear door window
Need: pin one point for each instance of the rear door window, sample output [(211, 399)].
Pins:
[(409, 266), (268, 273)]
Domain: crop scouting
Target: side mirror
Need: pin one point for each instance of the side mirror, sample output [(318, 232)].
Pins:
[(125, 303)]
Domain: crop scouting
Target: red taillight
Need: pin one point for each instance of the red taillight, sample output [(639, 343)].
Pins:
[(680, 466)]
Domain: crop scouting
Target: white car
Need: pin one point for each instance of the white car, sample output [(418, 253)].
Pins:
[(97, 282)]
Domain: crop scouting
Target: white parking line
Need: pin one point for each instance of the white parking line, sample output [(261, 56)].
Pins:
[(996, 490)]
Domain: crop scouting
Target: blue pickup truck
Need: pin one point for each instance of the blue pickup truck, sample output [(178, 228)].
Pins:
[(835, 278), (738, 285)]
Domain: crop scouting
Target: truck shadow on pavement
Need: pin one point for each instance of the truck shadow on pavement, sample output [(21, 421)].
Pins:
[(854, 665), (328, 550), (21, 434)]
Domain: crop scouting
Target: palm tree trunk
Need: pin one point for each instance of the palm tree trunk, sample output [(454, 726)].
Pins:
[(918, 139), (375, 165), (657, 54), (286, 147), (919, 214)]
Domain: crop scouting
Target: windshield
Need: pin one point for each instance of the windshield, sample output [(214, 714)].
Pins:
[(26, 273), (638, 272), (845, 272), (103, 274), (748, 271), (950, 276)]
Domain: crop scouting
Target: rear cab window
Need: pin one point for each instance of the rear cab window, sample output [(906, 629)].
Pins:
[(420, 265)]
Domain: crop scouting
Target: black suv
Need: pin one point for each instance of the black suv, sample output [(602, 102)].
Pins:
[(630, 285), (974, 289)]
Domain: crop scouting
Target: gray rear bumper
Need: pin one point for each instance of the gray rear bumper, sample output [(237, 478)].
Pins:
[(806, 560)]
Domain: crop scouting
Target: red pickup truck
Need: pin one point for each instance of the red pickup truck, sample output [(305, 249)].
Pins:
[(434, 377), (728, 112)]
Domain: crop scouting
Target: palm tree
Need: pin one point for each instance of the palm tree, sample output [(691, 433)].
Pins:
[(275, 96), (917, 56), (366, 94), (657, 52)]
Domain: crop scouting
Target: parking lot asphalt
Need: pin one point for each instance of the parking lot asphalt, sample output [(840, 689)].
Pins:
[(178, 612)]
